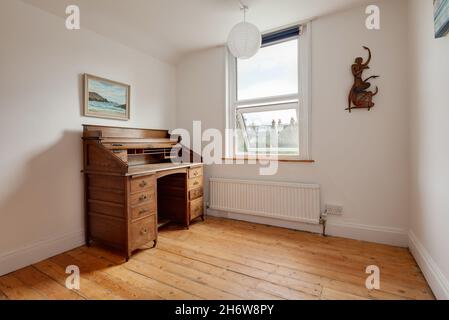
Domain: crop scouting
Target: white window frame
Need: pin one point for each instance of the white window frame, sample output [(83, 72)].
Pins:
[(301, 100)]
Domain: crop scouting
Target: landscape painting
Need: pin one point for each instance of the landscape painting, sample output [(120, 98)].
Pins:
[(105, 98), (441, 17)]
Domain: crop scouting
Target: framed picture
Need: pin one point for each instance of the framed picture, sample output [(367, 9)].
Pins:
[(104, 98), (441, 17)]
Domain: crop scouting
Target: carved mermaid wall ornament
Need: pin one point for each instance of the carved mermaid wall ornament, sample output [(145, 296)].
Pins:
[(359, 96)]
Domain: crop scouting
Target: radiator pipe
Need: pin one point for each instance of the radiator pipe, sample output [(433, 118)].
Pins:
[(323, 221)]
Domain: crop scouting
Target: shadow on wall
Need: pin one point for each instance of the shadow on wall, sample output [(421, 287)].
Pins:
[(46, 197)]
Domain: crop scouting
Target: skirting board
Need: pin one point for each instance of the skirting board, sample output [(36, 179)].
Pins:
[(436, 279), (383, 235), (31, 254)]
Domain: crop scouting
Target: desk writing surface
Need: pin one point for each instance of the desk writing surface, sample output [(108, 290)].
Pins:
[(158, 167)]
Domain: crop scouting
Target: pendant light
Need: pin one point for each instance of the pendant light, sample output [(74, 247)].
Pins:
[(245, 39)]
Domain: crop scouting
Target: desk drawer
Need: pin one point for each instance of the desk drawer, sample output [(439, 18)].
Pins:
[(143, 211), (195, 172), (143, 231), (196, 208), (195, 183), (196, 193), (142, 183), (142, 197)]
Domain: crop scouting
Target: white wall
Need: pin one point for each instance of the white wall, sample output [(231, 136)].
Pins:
[(41, 202), (361, 158), (429, 101)]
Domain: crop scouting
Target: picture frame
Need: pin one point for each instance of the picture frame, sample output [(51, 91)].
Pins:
[(104, 98), (441, 18)]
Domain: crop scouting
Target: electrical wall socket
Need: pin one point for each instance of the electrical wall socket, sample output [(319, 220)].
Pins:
[(334, 210)]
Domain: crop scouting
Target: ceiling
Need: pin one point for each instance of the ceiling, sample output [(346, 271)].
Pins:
[(169, 29)]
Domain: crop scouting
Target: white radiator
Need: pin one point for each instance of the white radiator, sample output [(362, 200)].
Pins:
[(286, 201)]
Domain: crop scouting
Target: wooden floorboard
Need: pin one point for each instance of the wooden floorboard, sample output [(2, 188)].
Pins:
[(33, 278), (134, 279), (226, 260), (404, 277), (15, 289), (3, 296)]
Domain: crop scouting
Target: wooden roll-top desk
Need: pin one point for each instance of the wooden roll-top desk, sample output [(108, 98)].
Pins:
[(133, 185)]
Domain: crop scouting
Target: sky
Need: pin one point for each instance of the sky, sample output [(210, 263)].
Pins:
[(111, 92), (272, 71)]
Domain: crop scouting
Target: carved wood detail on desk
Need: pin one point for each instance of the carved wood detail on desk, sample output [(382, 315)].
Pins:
[(132, 185)]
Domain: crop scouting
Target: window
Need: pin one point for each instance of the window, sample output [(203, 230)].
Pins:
[(268, 98), (273, 72)]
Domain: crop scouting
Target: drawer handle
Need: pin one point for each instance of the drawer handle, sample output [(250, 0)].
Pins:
[(195, 174), (143, 211), (196, 183), (143, 184), (144, 231), (143, 198)]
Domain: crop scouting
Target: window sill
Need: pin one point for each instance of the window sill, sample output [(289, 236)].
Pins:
[(268, 159)]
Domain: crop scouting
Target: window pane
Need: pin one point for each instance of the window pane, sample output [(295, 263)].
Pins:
[(273, 71), (274, 132)]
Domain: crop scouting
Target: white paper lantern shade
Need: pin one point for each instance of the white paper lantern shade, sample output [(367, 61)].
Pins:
[(244, 40)]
